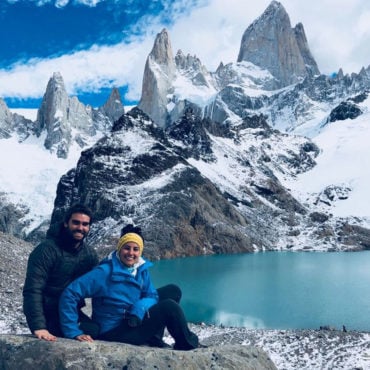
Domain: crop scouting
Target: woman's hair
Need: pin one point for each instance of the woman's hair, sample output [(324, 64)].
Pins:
[(132, 229)]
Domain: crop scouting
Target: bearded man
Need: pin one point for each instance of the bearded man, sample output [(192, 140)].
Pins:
[(54, 264)]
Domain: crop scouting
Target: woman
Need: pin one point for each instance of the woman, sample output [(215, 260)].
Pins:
[(124, 301)]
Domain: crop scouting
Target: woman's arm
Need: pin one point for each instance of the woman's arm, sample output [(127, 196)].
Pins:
[(149, 297), (85, 286)]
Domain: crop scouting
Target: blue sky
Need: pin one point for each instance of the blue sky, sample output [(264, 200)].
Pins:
[(100, 44)]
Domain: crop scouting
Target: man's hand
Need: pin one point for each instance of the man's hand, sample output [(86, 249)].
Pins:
[(84, 338), (45, 335)]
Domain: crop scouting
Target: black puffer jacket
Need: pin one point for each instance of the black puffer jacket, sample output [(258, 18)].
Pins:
[(52, 265)]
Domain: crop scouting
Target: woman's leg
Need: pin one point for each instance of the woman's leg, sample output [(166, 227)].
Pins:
[(170, 291), (165, 313), (172, 316), (87, 325)]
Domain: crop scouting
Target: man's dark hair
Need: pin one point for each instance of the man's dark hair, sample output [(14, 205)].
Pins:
[(78, 208)]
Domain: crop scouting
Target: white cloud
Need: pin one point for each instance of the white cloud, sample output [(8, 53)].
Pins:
[(61, 3), (90, 70)]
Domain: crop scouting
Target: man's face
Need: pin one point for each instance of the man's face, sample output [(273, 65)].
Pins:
[(78, 226)]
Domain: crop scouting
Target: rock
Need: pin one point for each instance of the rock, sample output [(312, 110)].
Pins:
[(345, 110), (11, 123), (113, 108), (271, 43), (156, 86), (26, 352)]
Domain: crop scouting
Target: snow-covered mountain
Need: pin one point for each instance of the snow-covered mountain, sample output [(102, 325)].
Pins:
[(245, 158), (38, 147)]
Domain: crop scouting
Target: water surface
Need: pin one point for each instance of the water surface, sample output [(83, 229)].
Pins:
[(275, 290)]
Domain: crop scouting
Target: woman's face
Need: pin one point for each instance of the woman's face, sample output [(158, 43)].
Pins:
[(129, 254)]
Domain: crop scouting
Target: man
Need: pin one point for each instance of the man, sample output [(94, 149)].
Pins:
[(52, 265)]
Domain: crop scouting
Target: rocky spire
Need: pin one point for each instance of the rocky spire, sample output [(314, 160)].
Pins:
[(6, 120), (59, 114), (271, 43), (113, 107), (308, 59), (159, 73)]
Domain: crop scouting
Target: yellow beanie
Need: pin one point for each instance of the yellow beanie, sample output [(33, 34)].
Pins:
[(131, 237)]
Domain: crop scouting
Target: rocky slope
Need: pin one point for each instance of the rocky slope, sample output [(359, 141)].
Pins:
[(157, 179), (202, 188)]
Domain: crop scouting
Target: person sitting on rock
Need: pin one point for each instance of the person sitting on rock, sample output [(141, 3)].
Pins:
[(52, 265), (125, 303)]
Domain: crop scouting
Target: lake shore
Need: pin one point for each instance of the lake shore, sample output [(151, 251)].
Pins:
[(297, 349)]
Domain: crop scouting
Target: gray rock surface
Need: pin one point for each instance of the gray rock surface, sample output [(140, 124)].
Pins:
[(155, 89), (272, 44), (11, 123), (59, 115), (25, 352)]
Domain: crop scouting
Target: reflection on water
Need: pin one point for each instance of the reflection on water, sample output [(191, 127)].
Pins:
[(277, 290), (232, 319)]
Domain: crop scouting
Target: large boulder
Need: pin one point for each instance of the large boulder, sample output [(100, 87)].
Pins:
[(26, 352)]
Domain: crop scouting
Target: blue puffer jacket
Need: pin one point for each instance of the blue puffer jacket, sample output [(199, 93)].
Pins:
[(115, 292)]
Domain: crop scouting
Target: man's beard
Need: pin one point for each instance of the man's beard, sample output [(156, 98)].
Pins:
[(71, 235)]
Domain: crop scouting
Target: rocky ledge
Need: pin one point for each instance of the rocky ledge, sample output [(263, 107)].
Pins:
[(24, 352)]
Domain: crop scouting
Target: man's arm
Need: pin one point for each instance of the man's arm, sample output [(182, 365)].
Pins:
[(38, 267)]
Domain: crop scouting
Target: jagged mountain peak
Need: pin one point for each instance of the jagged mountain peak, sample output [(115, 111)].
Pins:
[(158, 76), (59, 115), (187, 61), (272, 44), (57, 80), (113, 107), (161, 52), (312, 67)]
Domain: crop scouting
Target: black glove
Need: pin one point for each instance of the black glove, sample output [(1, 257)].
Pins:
[(133, 321)]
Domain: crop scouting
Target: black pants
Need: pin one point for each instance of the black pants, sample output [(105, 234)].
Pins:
[(167, 313)]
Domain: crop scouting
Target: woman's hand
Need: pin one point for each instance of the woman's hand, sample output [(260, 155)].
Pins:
[(84, 338), (133, 321)]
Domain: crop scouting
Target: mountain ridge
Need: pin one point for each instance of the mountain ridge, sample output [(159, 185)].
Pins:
[(228, 132)]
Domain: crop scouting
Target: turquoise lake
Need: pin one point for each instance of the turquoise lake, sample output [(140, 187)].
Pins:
[(273, 290)]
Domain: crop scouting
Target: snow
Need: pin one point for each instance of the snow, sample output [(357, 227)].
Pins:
[(344, 161), (29, 175), (296, 349), (185, 89), (25, 112)]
